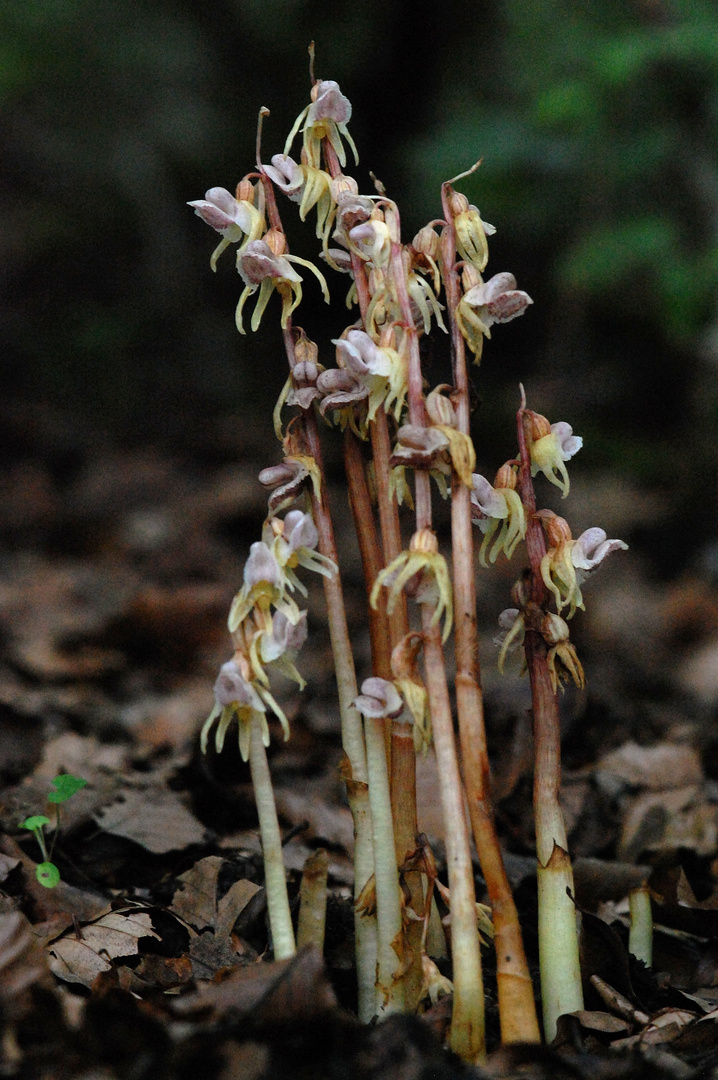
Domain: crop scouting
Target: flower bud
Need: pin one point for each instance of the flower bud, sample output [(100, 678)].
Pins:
[(557, 529), (424, 540), (506, 476), (426, 242), (440, 408), (245, 191), (379, 698)]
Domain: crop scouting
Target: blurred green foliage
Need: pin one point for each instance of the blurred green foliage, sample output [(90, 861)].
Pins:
[(597, 122)]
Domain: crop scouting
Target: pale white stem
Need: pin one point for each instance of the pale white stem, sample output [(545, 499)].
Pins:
[(313, 901), (640, 935), (561, 990), (364, 925), (275, 881), (390, 994)]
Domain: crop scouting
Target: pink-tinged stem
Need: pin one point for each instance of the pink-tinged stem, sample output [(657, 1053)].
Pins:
[(467, 1037), (561, 990), (517, 1008)]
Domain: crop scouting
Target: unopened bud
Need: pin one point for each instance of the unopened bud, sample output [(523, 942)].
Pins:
[(458, 203), (554, 629), (439, 407), (275, 241), (245, 191), (304, 348), (470, 277), (558, 530), (426, 242), (538, 425), (506, 476), (425, 541)]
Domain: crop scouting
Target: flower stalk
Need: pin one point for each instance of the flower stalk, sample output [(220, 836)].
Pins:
[(517, 1009), (561, 989), (280, 919)]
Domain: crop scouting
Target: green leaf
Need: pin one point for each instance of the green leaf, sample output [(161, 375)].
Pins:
[(66, 785), (35, 822), (47, 874)]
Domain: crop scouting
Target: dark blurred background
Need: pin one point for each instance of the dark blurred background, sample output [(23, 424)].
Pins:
[(597, 122)]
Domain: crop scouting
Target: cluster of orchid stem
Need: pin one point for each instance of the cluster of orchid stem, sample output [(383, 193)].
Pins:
[(376, 396)]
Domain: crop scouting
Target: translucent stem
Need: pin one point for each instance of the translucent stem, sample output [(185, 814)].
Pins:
[(640, 935), (313, 901), (390, 994), (517, 1008), (275, 881)]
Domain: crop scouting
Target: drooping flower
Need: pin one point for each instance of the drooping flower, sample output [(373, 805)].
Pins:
[(237, 220), (443, 418), (379, 698), (261, 268), (424, 448), (551, 446), (568, 562), (498, 508), (279, 645), (294, 542), (511, 625), (325, 118), (590, 549), (433, 583), (383, 370), (341, 392), (265, 584), (288, 480), (494, 301), (306, 185), (562, 659), (471, 231), (237, 696)]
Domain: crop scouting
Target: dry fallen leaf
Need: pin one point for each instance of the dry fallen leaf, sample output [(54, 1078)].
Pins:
[(22, 963), (81, 959), (153, 817)]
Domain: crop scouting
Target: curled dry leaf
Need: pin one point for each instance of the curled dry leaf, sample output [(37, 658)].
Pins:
[(22, 963), (81, 959)]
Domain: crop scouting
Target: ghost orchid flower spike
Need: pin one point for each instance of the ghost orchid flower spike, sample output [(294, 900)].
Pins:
[(263, 268), (494, 301), (434, 585), (383, 370), (325, 118), (264, 584), (471, 231), (379, 698), (562, 659), (294, 544), (498, 509), (237, 219), (511, 624), (551, 446), (590, 549)]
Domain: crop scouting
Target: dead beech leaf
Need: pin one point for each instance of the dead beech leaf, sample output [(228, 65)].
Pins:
[(667, 765), (594, 1020), (297, 989), (22, 963), (153, 817), (81, 960)]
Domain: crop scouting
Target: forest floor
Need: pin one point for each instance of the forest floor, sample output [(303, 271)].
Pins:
[(151, 957)]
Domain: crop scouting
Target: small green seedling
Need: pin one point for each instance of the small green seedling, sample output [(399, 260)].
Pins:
[(65, 786)]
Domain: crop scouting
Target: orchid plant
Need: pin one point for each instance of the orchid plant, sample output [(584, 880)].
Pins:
[(392, 428)]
